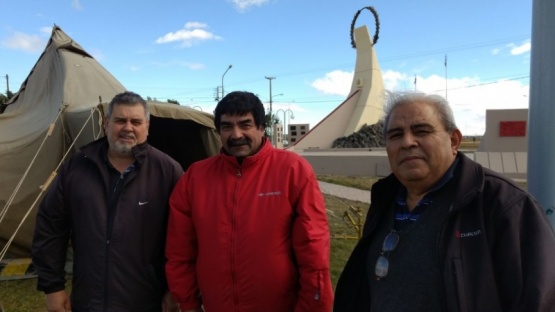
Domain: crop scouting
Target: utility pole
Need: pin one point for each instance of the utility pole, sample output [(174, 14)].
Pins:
[(271, 118), (445, 63), (541, 149), (7, 86), (217, 98)]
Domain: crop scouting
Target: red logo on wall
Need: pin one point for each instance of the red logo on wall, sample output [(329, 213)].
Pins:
[(512, 128)]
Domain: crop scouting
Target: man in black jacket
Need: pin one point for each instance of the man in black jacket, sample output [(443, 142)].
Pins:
[(111, 201), (443, 233)]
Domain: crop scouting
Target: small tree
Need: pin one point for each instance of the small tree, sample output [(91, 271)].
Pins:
[(269, 122), (173, 101), (4, 99)]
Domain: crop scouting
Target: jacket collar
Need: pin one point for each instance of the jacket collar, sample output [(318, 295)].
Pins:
[(469, 182), (98, 150)]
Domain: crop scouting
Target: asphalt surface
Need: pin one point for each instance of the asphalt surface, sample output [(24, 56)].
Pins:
[(345, 192)]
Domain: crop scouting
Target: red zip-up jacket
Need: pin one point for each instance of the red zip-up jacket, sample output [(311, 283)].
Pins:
[(250, 237)]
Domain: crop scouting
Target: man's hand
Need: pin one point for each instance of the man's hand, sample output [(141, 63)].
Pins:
[(58, 302), (168, 304)]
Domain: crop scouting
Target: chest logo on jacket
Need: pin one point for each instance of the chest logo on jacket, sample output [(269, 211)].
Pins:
[(274, 193), (458, 234)]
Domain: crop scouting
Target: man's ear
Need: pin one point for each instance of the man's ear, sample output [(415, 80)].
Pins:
[(456, 139)]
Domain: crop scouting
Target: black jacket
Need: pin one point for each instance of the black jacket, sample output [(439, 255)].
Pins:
[(121, 269), (497, 247)]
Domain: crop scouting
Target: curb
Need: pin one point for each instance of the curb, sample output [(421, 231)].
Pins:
[(17, 269)]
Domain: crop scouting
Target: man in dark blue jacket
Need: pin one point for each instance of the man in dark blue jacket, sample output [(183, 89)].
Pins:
[(111, 201), (443, 233)]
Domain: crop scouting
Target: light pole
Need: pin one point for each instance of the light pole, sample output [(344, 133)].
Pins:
[(229, 67), (285, 120), (271, 119)]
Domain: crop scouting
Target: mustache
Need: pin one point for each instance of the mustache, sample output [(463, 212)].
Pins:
[(238, 142), (127, 135)]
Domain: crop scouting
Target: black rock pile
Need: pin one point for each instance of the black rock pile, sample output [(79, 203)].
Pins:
[(367, 136)]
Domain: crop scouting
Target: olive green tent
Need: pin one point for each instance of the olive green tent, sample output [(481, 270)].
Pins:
[(59, 108)]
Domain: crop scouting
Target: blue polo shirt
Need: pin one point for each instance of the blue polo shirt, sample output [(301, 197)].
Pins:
[(403, 216)]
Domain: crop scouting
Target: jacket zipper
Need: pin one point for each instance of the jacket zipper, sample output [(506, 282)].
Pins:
[(109, 230), (109, 226), (232, 243)]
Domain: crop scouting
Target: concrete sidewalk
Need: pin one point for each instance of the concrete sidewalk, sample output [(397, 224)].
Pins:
[(345, 192)]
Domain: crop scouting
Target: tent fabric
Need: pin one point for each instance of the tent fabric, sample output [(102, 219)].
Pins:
[(58, 109)]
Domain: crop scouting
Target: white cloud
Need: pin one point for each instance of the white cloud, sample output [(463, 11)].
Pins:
[(243, 5), (469, 96), (25, 42), (514, 49), (521, 49), (192, 33), (334, 83), (97, 54), (394, 80), (76, 4), (192, 66), (47, 31)]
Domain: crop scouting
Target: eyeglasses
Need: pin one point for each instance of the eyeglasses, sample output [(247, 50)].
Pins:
[(389, 244)]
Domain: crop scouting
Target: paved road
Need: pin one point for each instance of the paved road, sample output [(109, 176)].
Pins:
[(345, 192)]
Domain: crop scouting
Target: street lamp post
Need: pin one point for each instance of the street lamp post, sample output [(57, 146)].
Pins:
[(271, 125), (285, 120), (228, 68)]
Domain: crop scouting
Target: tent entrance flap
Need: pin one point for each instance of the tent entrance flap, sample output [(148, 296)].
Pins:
[(179, 138)]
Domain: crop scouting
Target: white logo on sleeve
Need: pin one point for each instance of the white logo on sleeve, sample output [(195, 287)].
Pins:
[(142, 203)]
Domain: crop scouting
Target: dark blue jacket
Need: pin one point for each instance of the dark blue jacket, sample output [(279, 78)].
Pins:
[(118, 267), (497, 247)]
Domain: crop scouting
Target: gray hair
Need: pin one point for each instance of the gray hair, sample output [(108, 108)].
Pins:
[(127, 98), (440, 105)]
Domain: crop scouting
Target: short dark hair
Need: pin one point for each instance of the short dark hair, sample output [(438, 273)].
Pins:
[(440, 104), (127, 98), (240, 103)]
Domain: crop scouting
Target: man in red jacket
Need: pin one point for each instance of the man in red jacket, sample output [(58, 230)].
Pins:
[(247, 228)]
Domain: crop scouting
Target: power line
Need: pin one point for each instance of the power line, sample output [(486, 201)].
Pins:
[(486, 83)]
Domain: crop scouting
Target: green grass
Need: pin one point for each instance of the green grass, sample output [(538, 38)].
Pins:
[(22, 296), (363, 183)]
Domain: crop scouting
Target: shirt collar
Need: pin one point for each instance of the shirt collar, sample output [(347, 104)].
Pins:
[(402, 193)]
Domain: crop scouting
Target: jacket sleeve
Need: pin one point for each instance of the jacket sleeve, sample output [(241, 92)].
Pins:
[(311, 245), (181, 249), (524, 251), (51, 238)]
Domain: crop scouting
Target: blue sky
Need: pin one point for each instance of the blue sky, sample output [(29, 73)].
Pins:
[(179, 49)]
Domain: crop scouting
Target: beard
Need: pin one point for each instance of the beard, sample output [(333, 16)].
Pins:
[(126, 149)]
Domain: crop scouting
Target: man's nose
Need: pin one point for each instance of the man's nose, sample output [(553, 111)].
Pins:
[(408, 140), (128, 126), (236, 133)]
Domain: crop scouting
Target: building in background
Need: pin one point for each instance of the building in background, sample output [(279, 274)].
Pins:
[(296, 132)]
